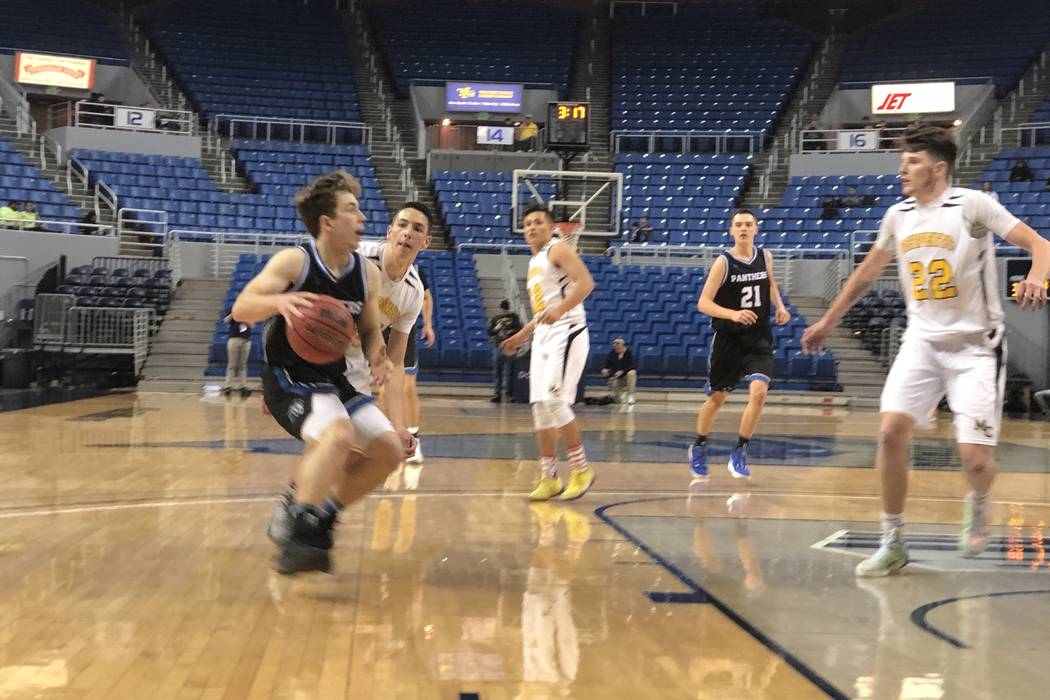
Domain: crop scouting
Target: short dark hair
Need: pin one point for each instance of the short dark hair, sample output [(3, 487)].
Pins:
[(319, 198), (935, 140), (741, 212), (420, 207), (505, 305), (533, 208)]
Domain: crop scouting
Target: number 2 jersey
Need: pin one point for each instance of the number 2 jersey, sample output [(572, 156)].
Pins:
[(548, 285), (746, 286), (946, 261)]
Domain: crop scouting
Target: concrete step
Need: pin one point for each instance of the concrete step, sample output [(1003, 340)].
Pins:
[(201, 338), (178, 324), (180, 348)]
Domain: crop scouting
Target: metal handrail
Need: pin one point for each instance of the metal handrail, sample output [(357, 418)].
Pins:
[(223, 125), (755, 139), (64, 227), (826, 140), (102, 115)]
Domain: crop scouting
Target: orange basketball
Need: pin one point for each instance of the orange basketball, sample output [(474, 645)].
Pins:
[(324, 333)]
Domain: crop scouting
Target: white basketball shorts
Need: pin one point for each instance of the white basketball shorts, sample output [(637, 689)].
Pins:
[(559, 356), (970, 370)]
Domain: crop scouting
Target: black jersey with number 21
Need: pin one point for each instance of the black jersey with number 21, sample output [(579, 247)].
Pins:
[(746, 286)]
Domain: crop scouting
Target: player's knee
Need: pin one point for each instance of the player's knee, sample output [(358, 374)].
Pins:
[(385, 450), (717, 398), (758, 391), (893, 435), (338, 436)]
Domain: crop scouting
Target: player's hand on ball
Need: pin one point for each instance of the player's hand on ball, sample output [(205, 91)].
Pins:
[(745, 317), (1030, 295), (783, 316), (290, 305), (813, 338)]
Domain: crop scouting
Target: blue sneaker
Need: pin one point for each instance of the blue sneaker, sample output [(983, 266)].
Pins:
[(738, 464), (698, 461)]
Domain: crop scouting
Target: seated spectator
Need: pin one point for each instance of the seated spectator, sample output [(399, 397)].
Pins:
[(30, 218), (830, 209), (620, 371), (526, 134), (1020, 172), (852, 199), (641, 230), (813, 138), (89, 218), (986, 187), (11, 215)]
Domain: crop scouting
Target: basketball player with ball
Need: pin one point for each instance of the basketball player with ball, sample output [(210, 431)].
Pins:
[(314, 296)]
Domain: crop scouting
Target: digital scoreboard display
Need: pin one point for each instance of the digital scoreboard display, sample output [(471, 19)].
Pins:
[(568, 125)]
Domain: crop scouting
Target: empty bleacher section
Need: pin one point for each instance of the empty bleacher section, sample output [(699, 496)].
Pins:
[(182, 188), (669, 338), (1028, 200), (68, 27), (688, 198), (22, 182), (459, 318), (476, 205), (952, 39), (711, 67), (514, 42), (257, 58), (119, 287)]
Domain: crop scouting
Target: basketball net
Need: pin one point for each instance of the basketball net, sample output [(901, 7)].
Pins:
[(568, 231)]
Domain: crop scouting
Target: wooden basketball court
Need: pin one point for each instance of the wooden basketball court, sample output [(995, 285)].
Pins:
[(134, 564)]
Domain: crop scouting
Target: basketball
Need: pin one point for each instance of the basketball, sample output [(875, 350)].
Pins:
[(324, 332)]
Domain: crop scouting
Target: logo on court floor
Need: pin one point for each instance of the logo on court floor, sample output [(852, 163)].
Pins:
[(939, 551)]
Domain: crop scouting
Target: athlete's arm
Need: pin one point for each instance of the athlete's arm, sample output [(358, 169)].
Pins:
[(428, 318), (394, 392), (782, 314), (706, 304), (266, 294), (1031, 292), (564, 257), (372, 344), (863, 277)]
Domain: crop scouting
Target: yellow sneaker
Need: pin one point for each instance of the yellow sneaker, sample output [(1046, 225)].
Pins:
[(579, 481), (546, 488)]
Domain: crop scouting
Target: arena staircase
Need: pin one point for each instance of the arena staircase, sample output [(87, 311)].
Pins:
[(180, 351), (401, 175), (772, 164)]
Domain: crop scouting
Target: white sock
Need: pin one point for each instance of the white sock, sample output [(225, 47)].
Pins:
[(577, 457), (549, 467), (892, 524)]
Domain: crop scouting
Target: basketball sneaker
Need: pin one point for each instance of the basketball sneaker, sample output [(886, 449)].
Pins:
[(279, 529), (973, 537), (698, 461), (306, 550), (579, 481), (889, 558), (738, 464), (546, 488)]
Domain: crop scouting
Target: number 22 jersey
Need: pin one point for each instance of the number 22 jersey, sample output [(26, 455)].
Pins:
[(946, 261)]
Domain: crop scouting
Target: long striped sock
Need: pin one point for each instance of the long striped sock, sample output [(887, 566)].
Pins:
[(549, 467), (577, 457)]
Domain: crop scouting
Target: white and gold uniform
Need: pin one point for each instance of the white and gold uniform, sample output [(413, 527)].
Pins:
[(400, 303), (954, 342), (560, 349)]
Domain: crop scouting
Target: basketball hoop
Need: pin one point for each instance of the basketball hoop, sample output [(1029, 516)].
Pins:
[(568, 231)]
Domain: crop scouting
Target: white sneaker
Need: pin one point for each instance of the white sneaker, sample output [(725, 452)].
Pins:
[(888, 559), (417, 456), (630, 400)]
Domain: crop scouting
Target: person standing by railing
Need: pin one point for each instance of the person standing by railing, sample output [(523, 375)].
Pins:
[(238, 347)]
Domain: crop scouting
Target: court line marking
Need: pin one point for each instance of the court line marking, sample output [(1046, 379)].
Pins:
[(649, 496), (701, 594), (918, 615)]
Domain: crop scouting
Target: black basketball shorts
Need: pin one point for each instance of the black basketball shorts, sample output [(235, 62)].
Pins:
[(739, 356)]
